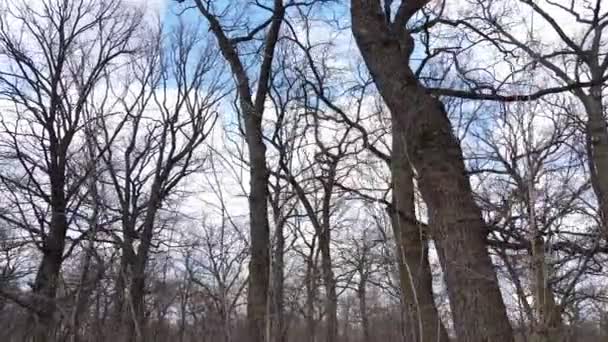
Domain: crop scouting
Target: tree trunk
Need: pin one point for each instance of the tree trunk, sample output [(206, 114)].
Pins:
[(259, 265), (548, 327), (478, 309), (362, 293), (252, 111), (597, 150), (416, 279), (331, 297), (331, 300), (311, 294), (121, 311), (278, 278), (46, 282), (137, 286)]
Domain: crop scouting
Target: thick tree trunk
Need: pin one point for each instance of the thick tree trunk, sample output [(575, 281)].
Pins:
[(456, 220), (46, 282), (478, 309), (415, 275), (122, 317), (136, 296), (597, 150)]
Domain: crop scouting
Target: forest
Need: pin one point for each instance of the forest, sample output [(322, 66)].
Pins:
[(303, 170)]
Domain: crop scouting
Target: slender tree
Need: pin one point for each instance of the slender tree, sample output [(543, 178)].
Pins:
[(251, 109)]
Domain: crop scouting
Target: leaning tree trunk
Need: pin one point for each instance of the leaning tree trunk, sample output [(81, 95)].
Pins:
[(416, 280), (460, 233)]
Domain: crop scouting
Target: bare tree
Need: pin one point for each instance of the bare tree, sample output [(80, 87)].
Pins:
[(170, 102), (55, 53), (573, 56), (412, 246), (215, 266), (123, 202), (251, 108), (458, 228)]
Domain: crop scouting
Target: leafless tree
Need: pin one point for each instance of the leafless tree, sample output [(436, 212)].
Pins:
[(170, 103), (566, 58), (441, 181), (251, 108), (386, 44), (54, 54)]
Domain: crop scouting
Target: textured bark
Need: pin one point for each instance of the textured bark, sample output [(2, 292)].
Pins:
[(458, 229), (46, 282), (415, 275), (259, 266), (597, 150)]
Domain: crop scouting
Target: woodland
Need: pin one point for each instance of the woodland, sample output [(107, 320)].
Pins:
[(303, 170)]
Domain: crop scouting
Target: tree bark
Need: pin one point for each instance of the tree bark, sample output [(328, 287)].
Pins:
[(46, 282), (597, 150), (415, 275), (478, 309), (259, 265)]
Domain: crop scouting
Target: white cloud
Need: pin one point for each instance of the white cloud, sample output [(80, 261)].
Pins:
[(154, 8)]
